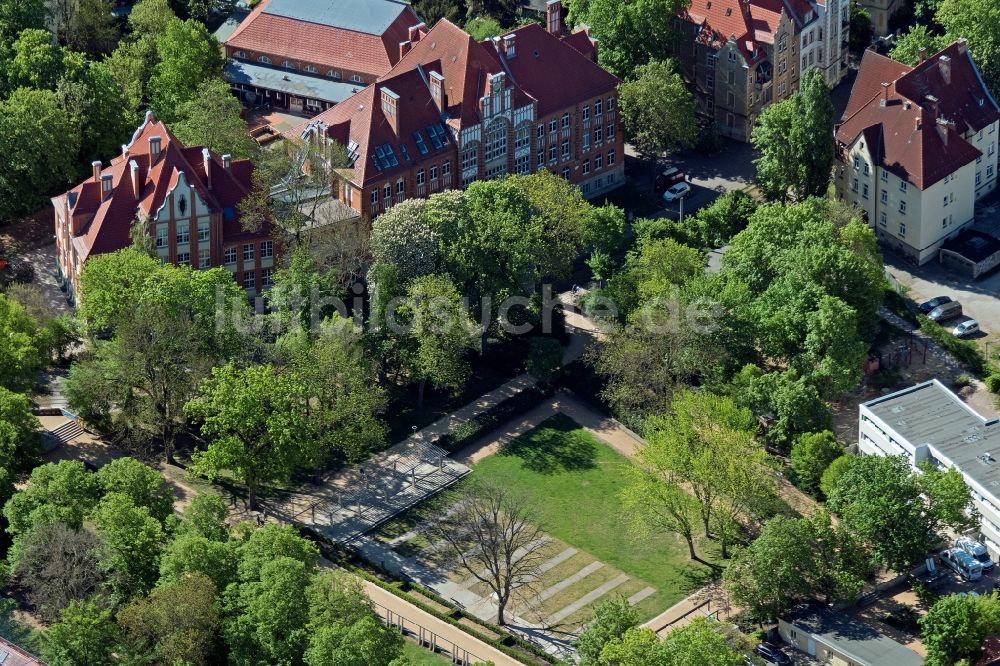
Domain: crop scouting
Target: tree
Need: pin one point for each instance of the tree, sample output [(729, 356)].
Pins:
[(270, 543), (267, 618), (658, 111), (87, 26), (812, 453), (564, 216), (639, 646), (545, 356), (18, 15), (206, 516), (99, 110), (301, 295), (133, 540), (949, 497), (177, 623), (188, 55), (440, 332), (612, 618), (793, 137), (860, 27), (603, 228), (831, 475), (717, 223), (402, 237), (657, 501), (909, 44), (955, 626), (631, 34), (495, 538), (85, 634), (140, 483), (110, 284), (19, 440), (256, 424), (482, 28), (58, 565), (21, 352), (38, 63), (212, 118), (840, 563), (39, 145), (433, 11), (191, 553), (61, 492), (771, 574), (880, 501), (974, 20)]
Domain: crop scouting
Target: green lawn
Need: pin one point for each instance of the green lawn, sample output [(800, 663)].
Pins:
[(574, 481), (419, 656)]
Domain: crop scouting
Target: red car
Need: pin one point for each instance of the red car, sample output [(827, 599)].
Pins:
[(670, 176)]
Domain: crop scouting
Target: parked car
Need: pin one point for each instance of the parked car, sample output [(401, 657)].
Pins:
[(670, 176), (927, 306), (772, 654), (977, 550), (675, 192), (962, 563), (949, 310), (966, 328)]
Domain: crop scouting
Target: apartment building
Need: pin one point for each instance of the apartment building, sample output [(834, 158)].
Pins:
[(454, 110), (187, 196), (746, 54), (929, 423), (917, 147), (303, 57)]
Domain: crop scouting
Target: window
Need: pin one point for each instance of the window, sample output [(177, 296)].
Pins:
[(885, 196), (710, 82), (356, 79), (387, 192), (945, 200), (522, 139), (902, 230), (249, 280), (881, 218), (866, 168), (204, 260), (521, 164), (496, 140), (586, 112), (446, 168), (183, 235), (540, 159), (552, 126), (470, 158), (586, 141), (598, 162), (611, 157), (989, 150), (884, 176), (864, 190), (944, 222), (611, 132), (854, 184), (597, 109), (979, 137), (731, 78), (434, 173), (241, 54), (857, 162), (586, 167), (989, 171), (161, 236), (267, 277), (229, 256), (552, 153), (333, 74), (565, 120), (311, 69), (979, 159), (183, 258), (264, 59), (248, 252), (540, 131), (565, 173), (804, 64), (420, 177), (203, 231), (598, 134), (979, 179), (565, 149), (375, 197), (732, 56), (612, 104), (266, 249), (902, 207), (418, 139), (401, 186)]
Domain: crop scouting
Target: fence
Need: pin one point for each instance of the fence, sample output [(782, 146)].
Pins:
[(427, 638)]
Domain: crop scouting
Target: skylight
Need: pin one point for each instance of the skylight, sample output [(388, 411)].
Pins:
[(438, 137), (421, 144)]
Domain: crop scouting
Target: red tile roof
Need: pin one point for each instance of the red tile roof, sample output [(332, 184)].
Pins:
[(722, 20), (467, 66), (581, 41), (906, 134), (109, 221), (335, 48)]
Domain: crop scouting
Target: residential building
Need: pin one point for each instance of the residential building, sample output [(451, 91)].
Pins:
[(927, 423), (303, 57), (746, 54), (917, 147), (454, 110), (187, 196), (881, 11), (833, 637)]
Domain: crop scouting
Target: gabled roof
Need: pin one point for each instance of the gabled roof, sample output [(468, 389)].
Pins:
[(723, 20), (352, 35), (917, 137), (109, 220)]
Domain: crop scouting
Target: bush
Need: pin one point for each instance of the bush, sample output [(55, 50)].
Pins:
[(961, 380), (967, 353), (896, 304), (812, 454), (481, 424), (993, 383)]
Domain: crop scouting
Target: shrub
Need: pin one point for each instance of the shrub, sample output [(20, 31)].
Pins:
[(476, 427), (967, 353)]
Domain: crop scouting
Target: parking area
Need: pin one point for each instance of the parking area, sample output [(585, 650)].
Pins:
[(698, 198)]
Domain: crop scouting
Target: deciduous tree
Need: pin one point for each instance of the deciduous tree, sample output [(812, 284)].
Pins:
[(812, 453), (908, 45), (143, 485), (402, 237), (133, 540), (631, 34), (86, 633), (956, 625), (658, 110), (188, 55), (612, 618), (212, 118), (974, 20), (58, 565)]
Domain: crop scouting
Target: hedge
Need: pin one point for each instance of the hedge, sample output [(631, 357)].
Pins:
[(468, 432), (966, 352)]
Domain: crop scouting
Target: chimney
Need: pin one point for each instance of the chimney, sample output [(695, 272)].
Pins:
[(96, 168), (932, 103), (416, 32), (553, 16), (916, 122), (133, 168), (404, 48), (963, 45), (105, 187), (206, 157), (227, 162), (154, 148), (508, 46), (944, 64), (885, 93), (942, 128), (437, 90), (923, 53)]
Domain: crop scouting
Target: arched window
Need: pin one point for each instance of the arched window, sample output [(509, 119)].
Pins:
[(264, 59), (288, 64), (240, 54), (333, 74), (356, 78), (311, 69)]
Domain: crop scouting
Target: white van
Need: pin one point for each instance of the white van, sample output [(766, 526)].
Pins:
[(962, 563)]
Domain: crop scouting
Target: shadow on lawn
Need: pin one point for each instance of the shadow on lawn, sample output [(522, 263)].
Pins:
[(557, 446)]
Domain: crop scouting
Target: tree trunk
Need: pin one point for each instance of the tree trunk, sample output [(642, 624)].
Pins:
[(420, 395), (705, 517), (724, 544), (252, 494), (501, 607), (690, 543)]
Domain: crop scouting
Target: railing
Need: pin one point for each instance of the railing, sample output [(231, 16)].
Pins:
[(427, 638)]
